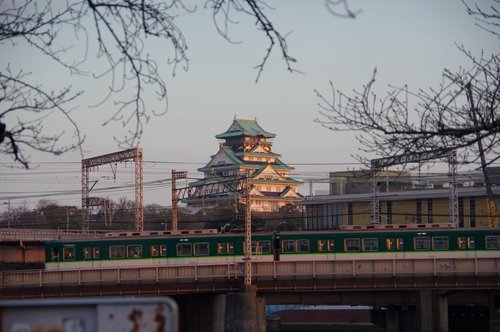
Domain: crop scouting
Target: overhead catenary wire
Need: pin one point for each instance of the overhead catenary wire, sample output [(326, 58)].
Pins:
[(61, 180)]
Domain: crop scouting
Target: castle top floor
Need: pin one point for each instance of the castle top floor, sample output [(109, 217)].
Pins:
[(245, 135)]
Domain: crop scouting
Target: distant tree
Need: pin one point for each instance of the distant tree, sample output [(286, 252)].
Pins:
[(462, 113), (14, 216), (123, 214), (224, 215), (49, 214), (459, 114), (155, 217)]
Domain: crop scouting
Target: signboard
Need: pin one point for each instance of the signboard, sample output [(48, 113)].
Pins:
[(142, 314)]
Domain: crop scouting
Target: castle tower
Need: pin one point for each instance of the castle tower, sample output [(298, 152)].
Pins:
[(246, 148)]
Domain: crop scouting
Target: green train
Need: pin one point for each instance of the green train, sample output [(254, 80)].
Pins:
[(210, 247)]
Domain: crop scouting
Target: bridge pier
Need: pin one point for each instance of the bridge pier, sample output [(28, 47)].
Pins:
[(400, 319), (494, 308), (432, 311), (232, 312)]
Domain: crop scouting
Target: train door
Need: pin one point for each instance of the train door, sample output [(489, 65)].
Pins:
[(467, 244), (92, 256), (225, 252), (395, 246), (158, 254), (52, 258), (326, 249)]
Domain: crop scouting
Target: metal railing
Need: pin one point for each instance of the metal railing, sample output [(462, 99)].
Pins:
[(16, 234), (262, 271)]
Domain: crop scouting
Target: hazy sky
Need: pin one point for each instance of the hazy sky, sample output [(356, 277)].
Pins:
[(410, 42)]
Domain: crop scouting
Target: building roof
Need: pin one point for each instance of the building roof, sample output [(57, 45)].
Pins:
[(241, 127), (399, 196), (235, 161)]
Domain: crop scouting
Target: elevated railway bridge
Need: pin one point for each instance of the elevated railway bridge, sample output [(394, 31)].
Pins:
[(428, 285)]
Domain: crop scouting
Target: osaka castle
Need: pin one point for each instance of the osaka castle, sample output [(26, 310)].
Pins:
[(245, 149)]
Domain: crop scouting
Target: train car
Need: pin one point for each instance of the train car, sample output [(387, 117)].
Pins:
[(143, 250), (223, 248), (390, 244)]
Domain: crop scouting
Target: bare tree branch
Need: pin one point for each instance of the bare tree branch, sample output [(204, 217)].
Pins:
[(121, 30), (407, 122), (223, 9), (486, 19), (20, 96), (345, 11)]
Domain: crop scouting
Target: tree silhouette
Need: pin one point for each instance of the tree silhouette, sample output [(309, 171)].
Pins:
[(461, 113), (118, 32)]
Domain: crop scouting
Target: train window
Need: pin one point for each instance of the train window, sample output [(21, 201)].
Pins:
[(221, 248), (230, 248), (466, 242), (352, 245), (134, 251), (422, 243), (54, 253), (155, 250), (440, 243), (158, 250), (492, 242), (91, 253), (261, 247), (303, 245), (184, 249), (395, 243), (370, 244), (87, 253), (265, 246), (96, 253), (462, 242), (116, 251), (471, 242), (201, 249), (69, 253), (288, 246), (326, 245), (256, 248)]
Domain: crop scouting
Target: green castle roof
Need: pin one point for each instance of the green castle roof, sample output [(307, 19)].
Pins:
[(241, 127)]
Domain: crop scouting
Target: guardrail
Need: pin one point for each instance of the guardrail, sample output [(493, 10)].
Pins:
[(262, 271), (16, 234)]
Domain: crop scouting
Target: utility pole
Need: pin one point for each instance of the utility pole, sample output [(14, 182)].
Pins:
[(91, 163), (239, 185), (175, 200), (378, 164), (453, 190), (248, 236)]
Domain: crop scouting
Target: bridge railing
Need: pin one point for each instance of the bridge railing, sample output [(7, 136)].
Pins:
[(390, 268), (16, 234), (38, 278), (379, 268)]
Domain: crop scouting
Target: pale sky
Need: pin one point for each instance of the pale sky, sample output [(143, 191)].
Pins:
[(410, 42)]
